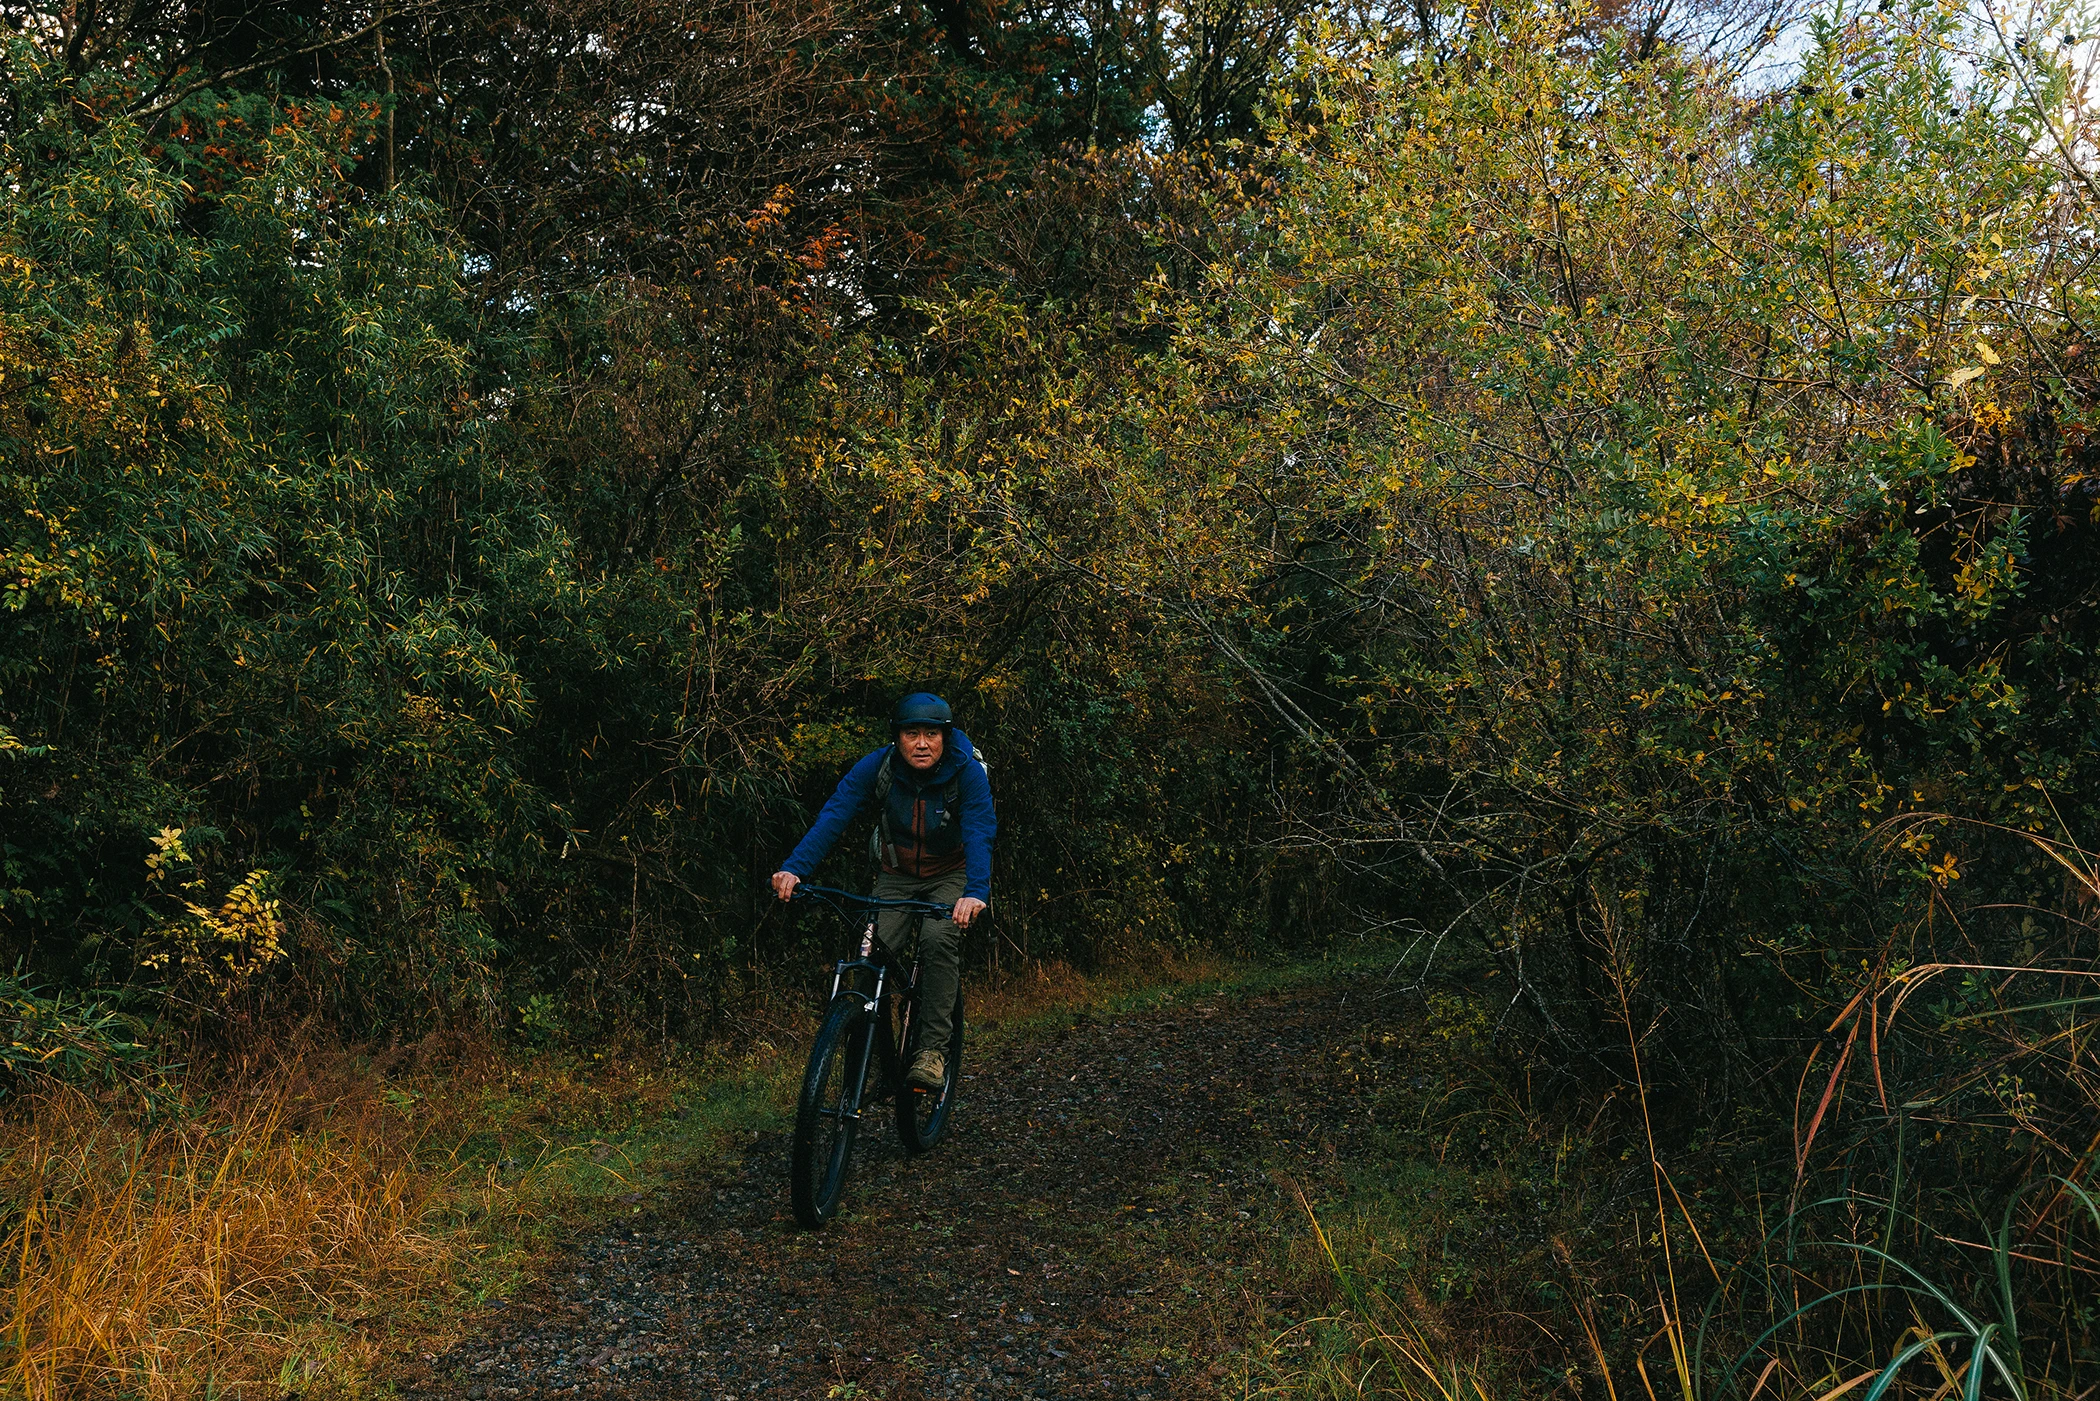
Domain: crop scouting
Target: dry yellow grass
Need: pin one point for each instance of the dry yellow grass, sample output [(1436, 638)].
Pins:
[(249, 1241), (228, 1248)]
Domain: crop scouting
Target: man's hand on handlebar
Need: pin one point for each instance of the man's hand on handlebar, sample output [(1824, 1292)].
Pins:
[(785, 884)]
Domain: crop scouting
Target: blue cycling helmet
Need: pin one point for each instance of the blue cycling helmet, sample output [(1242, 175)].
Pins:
[(921, 708)]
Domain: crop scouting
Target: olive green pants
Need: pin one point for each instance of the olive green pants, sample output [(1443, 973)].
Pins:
[(940, 948)]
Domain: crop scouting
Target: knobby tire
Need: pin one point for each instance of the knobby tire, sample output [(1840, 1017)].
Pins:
[(823, 1145)]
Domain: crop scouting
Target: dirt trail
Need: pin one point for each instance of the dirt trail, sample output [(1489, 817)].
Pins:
[(1105, 1220)]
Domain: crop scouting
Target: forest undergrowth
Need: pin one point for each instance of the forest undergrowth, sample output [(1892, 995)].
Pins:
[(1509, 1238), (310, 1218)]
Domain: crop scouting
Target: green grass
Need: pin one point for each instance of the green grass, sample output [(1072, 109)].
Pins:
[(566, 1142), (1422, 1257)]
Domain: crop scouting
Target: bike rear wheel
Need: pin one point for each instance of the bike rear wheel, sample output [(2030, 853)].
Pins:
[(922, 1115), (827, 1118)]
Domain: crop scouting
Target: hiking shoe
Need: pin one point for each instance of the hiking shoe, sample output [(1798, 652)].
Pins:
[(928, 1070)]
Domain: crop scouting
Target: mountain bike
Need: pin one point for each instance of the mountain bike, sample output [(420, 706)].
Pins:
[(860, 1055)]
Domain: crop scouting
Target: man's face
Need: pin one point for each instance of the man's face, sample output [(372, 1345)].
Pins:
[(921, 745)]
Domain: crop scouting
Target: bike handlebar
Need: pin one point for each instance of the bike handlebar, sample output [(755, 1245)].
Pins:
[(869, 902)]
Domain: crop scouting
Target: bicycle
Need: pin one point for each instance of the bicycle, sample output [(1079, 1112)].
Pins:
[(867, 1026)]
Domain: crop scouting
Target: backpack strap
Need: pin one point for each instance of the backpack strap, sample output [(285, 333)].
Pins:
[(882, 842)]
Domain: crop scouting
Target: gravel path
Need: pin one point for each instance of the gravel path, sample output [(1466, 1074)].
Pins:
[(1106, 1219)]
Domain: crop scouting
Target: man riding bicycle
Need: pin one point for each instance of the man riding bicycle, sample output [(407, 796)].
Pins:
[(935, 825)]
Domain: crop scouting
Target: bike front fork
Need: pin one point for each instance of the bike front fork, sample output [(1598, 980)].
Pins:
[(875, 961)]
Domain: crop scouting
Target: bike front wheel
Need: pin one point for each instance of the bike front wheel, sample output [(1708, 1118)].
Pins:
[(922, 1114), (828, 1115)]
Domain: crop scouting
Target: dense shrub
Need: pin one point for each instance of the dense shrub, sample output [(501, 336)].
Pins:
[(1660, 507), (353, 582)]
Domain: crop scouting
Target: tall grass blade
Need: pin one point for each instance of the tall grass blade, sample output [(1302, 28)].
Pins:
[(1887, 1377)]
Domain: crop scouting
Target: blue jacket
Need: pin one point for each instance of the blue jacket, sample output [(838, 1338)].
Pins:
[(928, 837)]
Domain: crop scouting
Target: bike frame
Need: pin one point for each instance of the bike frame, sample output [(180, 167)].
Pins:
[(879, 965)]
